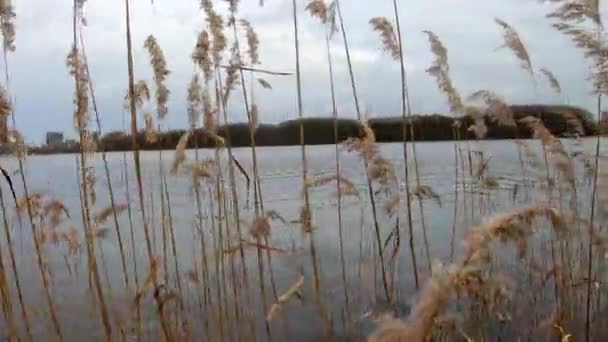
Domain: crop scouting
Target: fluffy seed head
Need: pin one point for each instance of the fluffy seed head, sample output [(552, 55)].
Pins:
[(387, 34), (159, 64), (514, 43)]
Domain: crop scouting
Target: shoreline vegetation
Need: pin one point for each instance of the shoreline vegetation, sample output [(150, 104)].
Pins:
[(561, 120)]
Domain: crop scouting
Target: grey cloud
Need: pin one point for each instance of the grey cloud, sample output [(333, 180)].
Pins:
[(44, 89)]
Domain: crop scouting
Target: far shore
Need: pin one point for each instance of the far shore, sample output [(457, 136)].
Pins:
[(562, 121)]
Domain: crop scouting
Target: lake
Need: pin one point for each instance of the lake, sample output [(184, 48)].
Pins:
[(458, 203)]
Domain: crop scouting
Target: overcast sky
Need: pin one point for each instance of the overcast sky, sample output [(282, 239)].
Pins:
[(44, 90)]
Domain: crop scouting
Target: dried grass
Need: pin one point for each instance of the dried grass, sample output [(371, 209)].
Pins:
[(387, 34), (151, 133), (285, 298), (194, 102), (253, 42), (551, 80), (77, 70), (471, 277), (514, 43), (159, 64), (180, 152), (105, 213), (7, 25), (440, 71)]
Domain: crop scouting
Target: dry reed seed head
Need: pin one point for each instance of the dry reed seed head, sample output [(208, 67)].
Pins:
[(423, 192), (253, 42), (89, 142), (77, 70), (101, 216), (54, 211), (201, 54), (72, 240), (232, 79), (150, 131), (99, 233), (513, 226), (496, 107), (7, 25), (381, 170), (90, 181), (292, 291), (391, 205), (479, 128), (141, 94), (159, 65), (317, 8), (551, 80), (514, 43), (440, 70), (264, 84), (216, 26), (387, 34), (438, 50), (260, 227), (180, 152), (578, 11), (205, 169), (209, 121), (194, 102)]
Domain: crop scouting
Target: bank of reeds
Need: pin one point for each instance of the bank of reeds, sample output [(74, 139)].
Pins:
[(533, 250)]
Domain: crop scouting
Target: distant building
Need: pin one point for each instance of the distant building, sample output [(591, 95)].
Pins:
[(54, 138)]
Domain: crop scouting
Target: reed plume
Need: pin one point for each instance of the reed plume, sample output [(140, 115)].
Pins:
[(471, 277), (101, 216), (326, 14), (253, 42), (387, 34), (551, 80), (496, 107), (77, 70), (180, 152), (292, 291), (347, 187), (194, 102), (578, 11), (586, 39), (440, 71), (513, 42), (201, 54), (216, 26), (232, 76), (151, 133), (159, 64), (7, 25)]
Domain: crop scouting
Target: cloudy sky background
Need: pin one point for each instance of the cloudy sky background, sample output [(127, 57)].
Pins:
[(44, 91)]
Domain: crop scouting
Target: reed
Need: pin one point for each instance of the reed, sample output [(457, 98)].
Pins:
[(547, 244)]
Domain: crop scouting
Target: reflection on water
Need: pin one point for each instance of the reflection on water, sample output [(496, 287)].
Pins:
[(56, 178)]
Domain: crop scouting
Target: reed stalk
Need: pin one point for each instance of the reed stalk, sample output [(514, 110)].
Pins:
[(105, 162), (406, 107), (306, 218), (370, 187), (136, 157), (11, 253)]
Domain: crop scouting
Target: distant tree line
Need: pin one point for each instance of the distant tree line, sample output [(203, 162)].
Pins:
[(560, 120)]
